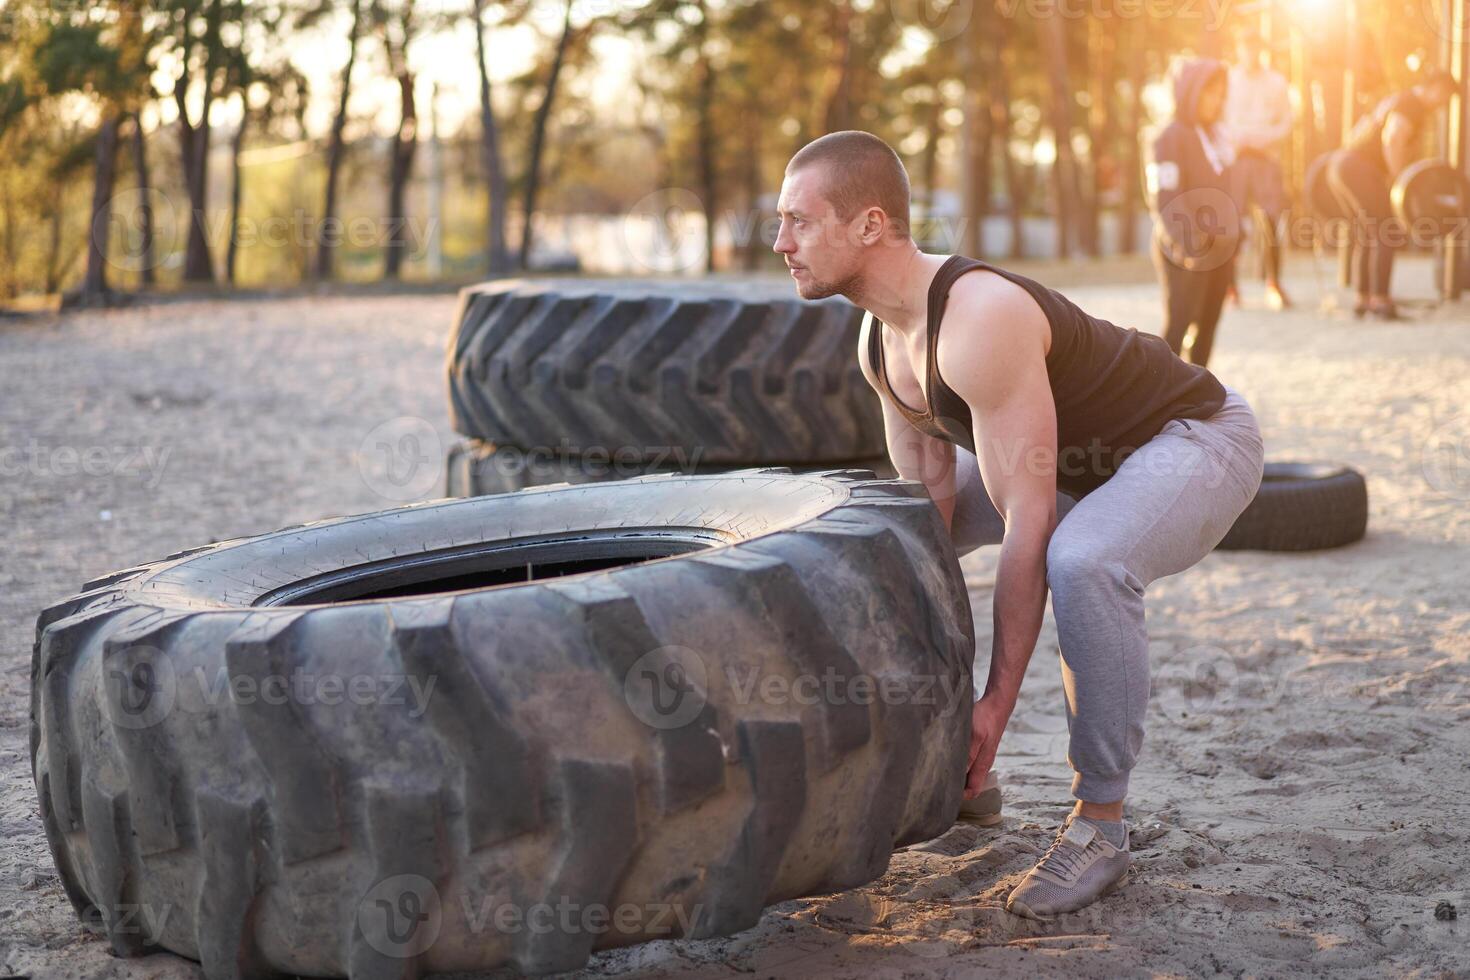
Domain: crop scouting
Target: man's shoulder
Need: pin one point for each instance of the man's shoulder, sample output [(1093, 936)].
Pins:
[(986, 310)]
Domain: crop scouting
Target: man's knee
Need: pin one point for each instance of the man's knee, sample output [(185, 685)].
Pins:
[(1073, 564)]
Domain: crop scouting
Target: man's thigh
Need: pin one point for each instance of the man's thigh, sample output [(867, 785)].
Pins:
[(1172, 500)]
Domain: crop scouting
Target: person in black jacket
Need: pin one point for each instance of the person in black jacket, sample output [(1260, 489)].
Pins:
[(1362, 174), (1196, 220)]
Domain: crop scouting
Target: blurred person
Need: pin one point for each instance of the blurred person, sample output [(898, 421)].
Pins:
[(1196, 220), (1362, 175), (1091, 453), (1258, 118)]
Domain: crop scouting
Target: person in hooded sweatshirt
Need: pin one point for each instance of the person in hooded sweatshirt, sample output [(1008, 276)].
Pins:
[(1196, 219)]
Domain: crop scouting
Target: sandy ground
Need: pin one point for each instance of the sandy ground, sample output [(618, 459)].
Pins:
[(1301, 805)]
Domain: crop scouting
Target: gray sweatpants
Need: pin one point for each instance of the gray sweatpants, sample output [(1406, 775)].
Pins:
[(1165, 508)]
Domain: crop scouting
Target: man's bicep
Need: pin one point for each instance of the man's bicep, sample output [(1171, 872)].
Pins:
[(1016, 445), (1000, 368)]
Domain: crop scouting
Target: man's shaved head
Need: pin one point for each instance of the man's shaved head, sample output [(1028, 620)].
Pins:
[(859, 171)]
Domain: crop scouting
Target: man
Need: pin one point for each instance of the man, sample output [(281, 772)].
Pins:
[(1161, 455), (1258, 118), (1362, 174)]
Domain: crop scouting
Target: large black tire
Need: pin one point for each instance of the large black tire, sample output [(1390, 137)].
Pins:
[(729, 372), (1302, 507), (603, 731), (474, 467)]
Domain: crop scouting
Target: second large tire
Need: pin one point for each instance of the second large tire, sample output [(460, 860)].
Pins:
[(616, 712), (736, 372)]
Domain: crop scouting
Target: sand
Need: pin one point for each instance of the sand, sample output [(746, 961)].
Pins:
[(1301, 805)]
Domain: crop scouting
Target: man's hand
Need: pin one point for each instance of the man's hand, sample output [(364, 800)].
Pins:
[(987, 722)]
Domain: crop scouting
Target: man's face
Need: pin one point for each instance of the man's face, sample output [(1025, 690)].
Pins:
[(822, 251)]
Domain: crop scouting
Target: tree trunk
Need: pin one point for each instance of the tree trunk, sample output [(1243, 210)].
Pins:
[(405, 143), (754, 247), (233, 251), (94, 285), (975, 65), (194, 149), (538, 139), (1133, 165), (1000, 107), (709, 189), (839, 98), (929, 161), (1053, 28), (53, 242), (145, 204), (326, 243), (496, 248), (1099, 131)]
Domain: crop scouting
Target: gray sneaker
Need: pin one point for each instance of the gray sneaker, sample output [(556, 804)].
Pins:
[(983, 810), (1080, 867)]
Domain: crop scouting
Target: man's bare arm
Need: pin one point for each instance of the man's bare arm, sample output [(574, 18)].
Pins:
[(997, 364), (915, 455)]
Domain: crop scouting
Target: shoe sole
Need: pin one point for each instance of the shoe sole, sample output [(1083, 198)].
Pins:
[(1024, 910), (983, 810)]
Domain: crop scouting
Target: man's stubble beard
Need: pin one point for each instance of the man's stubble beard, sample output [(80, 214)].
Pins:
[(849, 287)]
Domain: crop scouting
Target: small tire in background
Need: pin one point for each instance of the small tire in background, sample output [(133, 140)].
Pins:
[(475, 467), (737, 371), (1302, 507)]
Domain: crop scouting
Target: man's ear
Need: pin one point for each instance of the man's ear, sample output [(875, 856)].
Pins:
[(875, 226)]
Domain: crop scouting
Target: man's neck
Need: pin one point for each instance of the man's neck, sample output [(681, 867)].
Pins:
[(896, 288)]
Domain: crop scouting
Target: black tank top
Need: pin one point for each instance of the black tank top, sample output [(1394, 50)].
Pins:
[(1114, 388)]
